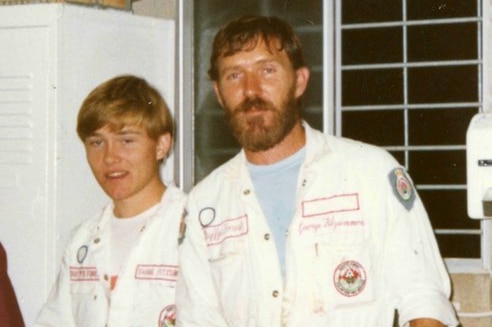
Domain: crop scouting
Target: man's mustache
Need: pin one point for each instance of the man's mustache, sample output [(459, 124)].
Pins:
[(257, 103)]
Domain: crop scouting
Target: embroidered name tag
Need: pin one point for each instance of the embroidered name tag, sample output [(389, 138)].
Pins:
[(332, 204), (83, 274), (216, 234), (157, 272)]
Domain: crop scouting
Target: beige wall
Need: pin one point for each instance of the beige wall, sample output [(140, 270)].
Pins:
[(155, 8), (472, 295)]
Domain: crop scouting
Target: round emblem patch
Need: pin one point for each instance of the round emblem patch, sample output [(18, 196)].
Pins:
[(403, 186), (167, 318), (349, 278), (82, 253), (206, 216)]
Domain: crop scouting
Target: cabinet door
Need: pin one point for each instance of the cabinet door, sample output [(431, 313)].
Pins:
[(24, 171)]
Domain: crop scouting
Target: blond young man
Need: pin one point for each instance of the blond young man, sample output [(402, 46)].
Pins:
[(120, 267)]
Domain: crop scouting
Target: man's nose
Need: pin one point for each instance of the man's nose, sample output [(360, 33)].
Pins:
[(251, 85), (111, 154)]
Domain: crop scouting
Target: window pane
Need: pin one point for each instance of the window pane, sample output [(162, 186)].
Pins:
[(313, 96), (207, 12), (383, 127), (438, 167), (369, 46), (459, 246), (297, 12), (311, 39), (443, 84), (399, 156), (439, 126), (442, 42), (357, 11), (447, 209), (441, 9), (372, 86), (214, 143), (213, 134), (312, 100)]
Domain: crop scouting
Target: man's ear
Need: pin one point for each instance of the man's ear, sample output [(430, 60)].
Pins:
[(217, 94), (302, 78), (163, 147)]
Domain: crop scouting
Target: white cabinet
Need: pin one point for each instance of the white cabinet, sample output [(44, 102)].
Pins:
[(51, 56)]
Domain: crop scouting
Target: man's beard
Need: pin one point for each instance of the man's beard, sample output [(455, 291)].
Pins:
[(251, 131)]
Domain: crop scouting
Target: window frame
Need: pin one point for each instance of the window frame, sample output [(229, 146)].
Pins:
[(486, 98), (184, 95), (454, 265)]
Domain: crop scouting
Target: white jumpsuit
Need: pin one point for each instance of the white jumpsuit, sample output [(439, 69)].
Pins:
[(358, 247), (144, 295)]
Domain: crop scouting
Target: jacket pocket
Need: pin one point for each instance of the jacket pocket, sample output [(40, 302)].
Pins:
[(154, 303), (343, 273), (231, 276), (89, 304)]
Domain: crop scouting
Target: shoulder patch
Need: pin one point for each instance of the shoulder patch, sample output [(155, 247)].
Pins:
[(182, 227), (402, 187)]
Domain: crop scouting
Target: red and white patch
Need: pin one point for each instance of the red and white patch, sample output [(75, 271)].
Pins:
[(167, 317), (83, 274), (157, 272), (350, 278), (230, 228), (402, 187)]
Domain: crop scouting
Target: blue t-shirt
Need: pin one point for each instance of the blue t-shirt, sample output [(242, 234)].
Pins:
[(275, 187)]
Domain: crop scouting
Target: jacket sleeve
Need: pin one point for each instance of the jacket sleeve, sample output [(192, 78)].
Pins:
[(197, 302), (57, 311), (415, 267)]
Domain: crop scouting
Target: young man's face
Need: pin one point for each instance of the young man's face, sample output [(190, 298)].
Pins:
[(125, 162), (259, 89)]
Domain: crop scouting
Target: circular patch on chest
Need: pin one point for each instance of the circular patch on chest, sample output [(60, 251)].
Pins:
[(349, 278), (167, 317)]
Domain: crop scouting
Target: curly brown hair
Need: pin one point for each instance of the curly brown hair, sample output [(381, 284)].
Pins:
[(244, 33)]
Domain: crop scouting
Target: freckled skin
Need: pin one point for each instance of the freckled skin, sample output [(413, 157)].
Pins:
[(259, 90), (125, 163)]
